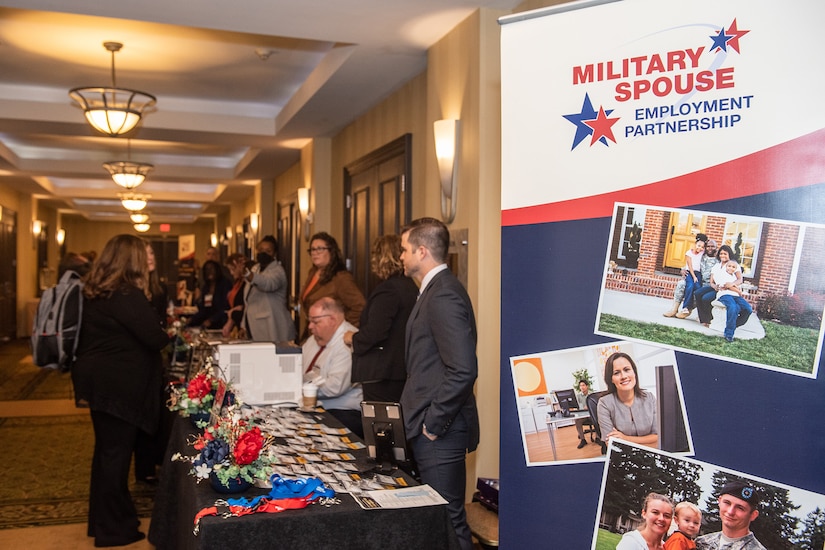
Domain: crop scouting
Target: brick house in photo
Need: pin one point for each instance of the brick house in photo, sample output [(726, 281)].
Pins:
[(779, 258)]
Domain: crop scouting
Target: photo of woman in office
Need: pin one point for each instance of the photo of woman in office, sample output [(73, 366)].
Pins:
[(118, 376), (657, 513), (626, 411)]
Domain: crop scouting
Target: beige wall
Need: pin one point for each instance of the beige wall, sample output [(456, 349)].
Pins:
[(464, 76), (461, 81)]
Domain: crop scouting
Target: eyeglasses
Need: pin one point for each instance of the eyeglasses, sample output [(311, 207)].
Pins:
[(314, 320), (318, 249)]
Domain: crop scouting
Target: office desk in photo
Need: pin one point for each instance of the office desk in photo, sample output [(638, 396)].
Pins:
[(552, 422), (344, 526)]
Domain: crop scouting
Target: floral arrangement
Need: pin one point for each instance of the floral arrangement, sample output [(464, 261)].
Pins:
[(198, 395), (233, 448)]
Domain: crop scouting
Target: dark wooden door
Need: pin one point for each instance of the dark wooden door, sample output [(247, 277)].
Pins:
[(377, 202)]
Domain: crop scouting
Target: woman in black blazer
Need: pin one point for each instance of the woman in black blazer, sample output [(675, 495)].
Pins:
[(118, 375), (378, 346)]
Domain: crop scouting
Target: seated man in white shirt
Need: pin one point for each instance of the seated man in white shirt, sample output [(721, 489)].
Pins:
[(328, 361)]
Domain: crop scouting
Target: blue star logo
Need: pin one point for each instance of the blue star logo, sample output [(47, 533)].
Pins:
[(720, 41)]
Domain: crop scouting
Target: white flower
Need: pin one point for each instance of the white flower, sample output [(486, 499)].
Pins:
[(202, 471)]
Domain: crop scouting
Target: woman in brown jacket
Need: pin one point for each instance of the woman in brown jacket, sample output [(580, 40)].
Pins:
[(328, 276)]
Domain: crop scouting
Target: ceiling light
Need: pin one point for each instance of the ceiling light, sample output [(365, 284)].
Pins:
[(126, 173), (112, 110), (141, 227), (139, 217), (133, 202)]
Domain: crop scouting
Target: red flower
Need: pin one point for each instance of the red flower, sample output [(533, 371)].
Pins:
[(199, 387), (248, 447)]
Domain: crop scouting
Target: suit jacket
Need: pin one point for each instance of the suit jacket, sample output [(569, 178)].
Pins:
[(441, 361), (265, 312), (378, 346)]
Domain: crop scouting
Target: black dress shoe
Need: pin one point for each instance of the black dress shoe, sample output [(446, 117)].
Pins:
[(582, 443)]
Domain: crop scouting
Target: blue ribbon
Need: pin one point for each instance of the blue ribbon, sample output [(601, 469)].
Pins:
[(287, 488)]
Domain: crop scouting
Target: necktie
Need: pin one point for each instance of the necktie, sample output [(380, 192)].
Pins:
[(312, 363)]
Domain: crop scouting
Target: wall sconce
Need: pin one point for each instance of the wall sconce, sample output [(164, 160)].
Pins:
[(37, 230), (253, 234), (446, 150), (303, 207), (228, 232), (213, 240), (60, 237)]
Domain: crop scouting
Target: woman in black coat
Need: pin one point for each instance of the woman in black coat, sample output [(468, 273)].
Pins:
[(378, 346), (118, 375)]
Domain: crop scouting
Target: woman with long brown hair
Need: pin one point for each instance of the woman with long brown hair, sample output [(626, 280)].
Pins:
[(328, 276), (627, 411), (117, 375)]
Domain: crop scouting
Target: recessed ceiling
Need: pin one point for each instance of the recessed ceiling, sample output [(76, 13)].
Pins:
[(239, 88)]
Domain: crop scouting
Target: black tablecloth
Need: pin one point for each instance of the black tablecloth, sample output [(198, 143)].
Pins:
[(338, 527)]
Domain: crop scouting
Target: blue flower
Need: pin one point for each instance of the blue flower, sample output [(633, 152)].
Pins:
[(215, 452)]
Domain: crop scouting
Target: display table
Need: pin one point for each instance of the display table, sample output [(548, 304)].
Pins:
[(316, 527)]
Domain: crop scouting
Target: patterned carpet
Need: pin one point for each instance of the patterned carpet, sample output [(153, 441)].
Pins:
[(20, 379), (46, 472)]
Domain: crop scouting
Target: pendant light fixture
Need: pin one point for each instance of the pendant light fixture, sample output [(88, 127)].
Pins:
[(139, 217), (142, 227), (111, 110), (126, 173), (133, 202)]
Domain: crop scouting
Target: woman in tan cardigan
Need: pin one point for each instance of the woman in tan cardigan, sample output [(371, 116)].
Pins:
[(328, 276)]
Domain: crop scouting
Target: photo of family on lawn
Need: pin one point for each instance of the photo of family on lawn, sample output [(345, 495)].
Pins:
[(649, 496), (728, 286)]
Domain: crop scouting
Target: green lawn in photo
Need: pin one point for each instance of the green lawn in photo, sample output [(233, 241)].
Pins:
[(784, 346), (605, 540)]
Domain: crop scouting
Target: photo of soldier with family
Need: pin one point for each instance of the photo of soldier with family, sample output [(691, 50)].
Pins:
[(722, 285), (655, 500)]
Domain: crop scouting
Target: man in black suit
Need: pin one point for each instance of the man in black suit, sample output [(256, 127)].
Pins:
[(439, 407)]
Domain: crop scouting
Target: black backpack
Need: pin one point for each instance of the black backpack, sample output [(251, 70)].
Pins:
[(57, 324)]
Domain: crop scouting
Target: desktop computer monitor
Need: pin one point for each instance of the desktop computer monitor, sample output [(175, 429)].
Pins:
[(384, 435), (567, 400)]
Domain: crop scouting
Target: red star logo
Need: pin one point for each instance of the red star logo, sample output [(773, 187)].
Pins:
[(602, 126), (736, 34)]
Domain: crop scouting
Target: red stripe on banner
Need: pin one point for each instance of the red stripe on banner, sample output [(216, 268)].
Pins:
[(796, 163)]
